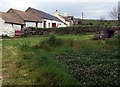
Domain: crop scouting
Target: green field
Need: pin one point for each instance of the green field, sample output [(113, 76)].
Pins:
[(60, 60)]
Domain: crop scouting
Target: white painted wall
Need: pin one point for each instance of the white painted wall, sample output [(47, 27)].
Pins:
[(40, 25), (1, 26), (58, 24), (62, 25), (30, 24), (48, 24), (9, 29), (16, 27)]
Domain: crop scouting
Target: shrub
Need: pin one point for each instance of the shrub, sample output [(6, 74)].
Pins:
[(51, 40), (5, 36), (115, 40), (32, 28), (24, 35), (96, 37)]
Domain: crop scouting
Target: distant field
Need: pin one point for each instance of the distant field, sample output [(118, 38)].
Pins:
[(101, 22), (71, 60)]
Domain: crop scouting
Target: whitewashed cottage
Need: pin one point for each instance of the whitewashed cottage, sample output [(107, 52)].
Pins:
[(13, 21), (48, 21)]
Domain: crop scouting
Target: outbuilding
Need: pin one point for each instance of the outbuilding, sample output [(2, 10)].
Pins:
[(10, 25)]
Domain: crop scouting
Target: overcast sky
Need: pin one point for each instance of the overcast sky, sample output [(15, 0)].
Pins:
[(92, 9)]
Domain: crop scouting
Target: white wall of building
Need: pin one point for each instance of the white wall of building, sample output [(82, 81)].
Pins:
[(40, 25), (1, 26), (62, 25), (9, 29), (30, 24), (59, 24), (16, 27), (49, 23)]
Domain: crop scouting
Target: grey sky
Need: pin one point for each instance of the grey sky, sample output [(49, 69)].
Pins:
[(92, 9)]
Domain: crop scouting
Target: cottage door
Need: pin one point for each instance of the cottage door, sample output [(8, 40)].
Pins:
[(44, 24), (53, 24)]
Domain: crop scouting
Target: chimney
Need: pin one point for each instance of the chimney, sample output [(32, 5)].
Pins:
[(56, 13), (65, 15)]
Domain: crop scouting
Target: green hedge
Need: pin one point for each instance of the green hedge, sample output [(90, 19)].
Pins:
[(69, 29)]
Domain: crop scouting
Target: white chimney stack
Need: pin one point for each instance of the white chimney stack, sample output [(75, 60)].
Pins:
[(56, 13)]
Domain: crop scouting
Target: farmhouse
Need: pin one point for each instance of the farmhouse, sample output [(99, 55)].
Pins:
[(48, 21), (15, 20)]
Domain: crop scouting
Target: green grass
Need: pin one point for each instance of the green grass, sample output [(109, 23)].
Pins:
[(92, 67), (102, 22), (24, 64)]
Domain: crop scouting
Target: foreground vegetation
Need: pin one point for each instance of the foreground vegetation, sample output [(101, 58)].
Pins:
[(61, 60)]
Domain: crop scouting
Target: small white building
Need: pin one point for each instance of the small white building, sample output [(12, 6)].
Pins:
[(10, 24)]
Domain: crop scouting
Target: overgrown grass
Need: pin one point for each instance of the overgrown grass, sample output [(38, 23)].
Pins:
[(60, 60)]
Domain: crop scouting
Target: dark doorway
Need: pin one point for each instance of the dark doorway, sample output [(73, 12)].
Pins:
[(22, 26), (36, 25), (110, 34), (44, 24)]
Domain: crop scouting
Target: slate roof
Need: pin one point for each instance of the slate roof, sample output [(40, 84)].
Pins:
[(46, 15)]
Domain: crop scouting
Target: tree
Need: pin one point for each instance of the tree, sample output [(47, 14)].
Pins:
[(115, 12)]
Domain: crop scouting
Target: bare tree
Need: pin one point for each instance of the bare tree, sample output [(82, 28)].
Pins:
[(115, 12)]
